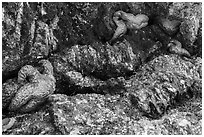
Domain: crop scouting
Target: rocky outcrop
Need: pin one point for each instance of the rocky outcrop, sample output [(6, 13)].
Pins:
[(191, 14), (162, 82), (25, 38), (145, 73)]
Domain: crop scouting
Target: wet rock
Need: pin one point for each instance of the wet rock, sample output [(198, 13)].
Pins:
[(9, 89), (192, 20), (93, 114), (171, 27), (25, 38), (90, 114), (44, 40), (70, 81), (38, 123), (89, 66), (103, 24), (35, 87), (11, 34), (75, 21), (161, 83), (151, 9), (32, 31)]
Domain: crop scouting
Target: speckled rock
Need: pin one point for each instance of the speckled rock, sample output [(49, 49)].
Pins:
[(94, 114), (25, 38), (31, 31), (11, 26), (89, 66), (170, 26), (161, 83), (9, 89), (90, 114), (151, 9), (38, 123), (191, 14)]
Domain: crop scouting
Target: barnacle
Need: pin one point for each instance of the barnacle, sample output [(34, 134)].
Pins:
[(37, 87)]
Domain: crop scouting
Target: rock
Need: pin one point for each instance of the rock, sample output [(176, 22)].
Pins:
[(38, 123), (191, 15), (9, 89), (181, 123), (103, 25), (25, 38), (94, 114), (90, 114), (89, 66), (161, 83), (35, 90), (121, 87), (151, 9), (171, 27), (11, 47), (71, 81), (44, 40), (75, 22)]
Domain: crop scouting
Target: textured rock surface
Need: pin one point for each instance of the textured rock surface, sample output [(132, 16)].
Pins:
[(89, 66), (38, 123), (136, 68), (161, 83), (98, 114), (9, 89), (191, 14), (25, 37)]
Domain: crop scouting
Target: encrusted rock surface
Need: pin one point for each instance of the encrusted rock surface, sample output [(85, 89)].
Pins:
[(9, 89), (89, 66), (25, 38), (145, 81), (191, 14), (161, 83), (36, 123)]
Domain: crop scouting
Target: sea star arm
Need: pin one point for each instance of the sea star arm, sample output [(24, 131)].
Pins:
[(29, 72)]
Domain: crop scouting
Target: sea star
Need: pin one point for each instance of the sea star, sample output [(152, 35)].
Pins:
[(36, 87), (126, 21), (175, 47)]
